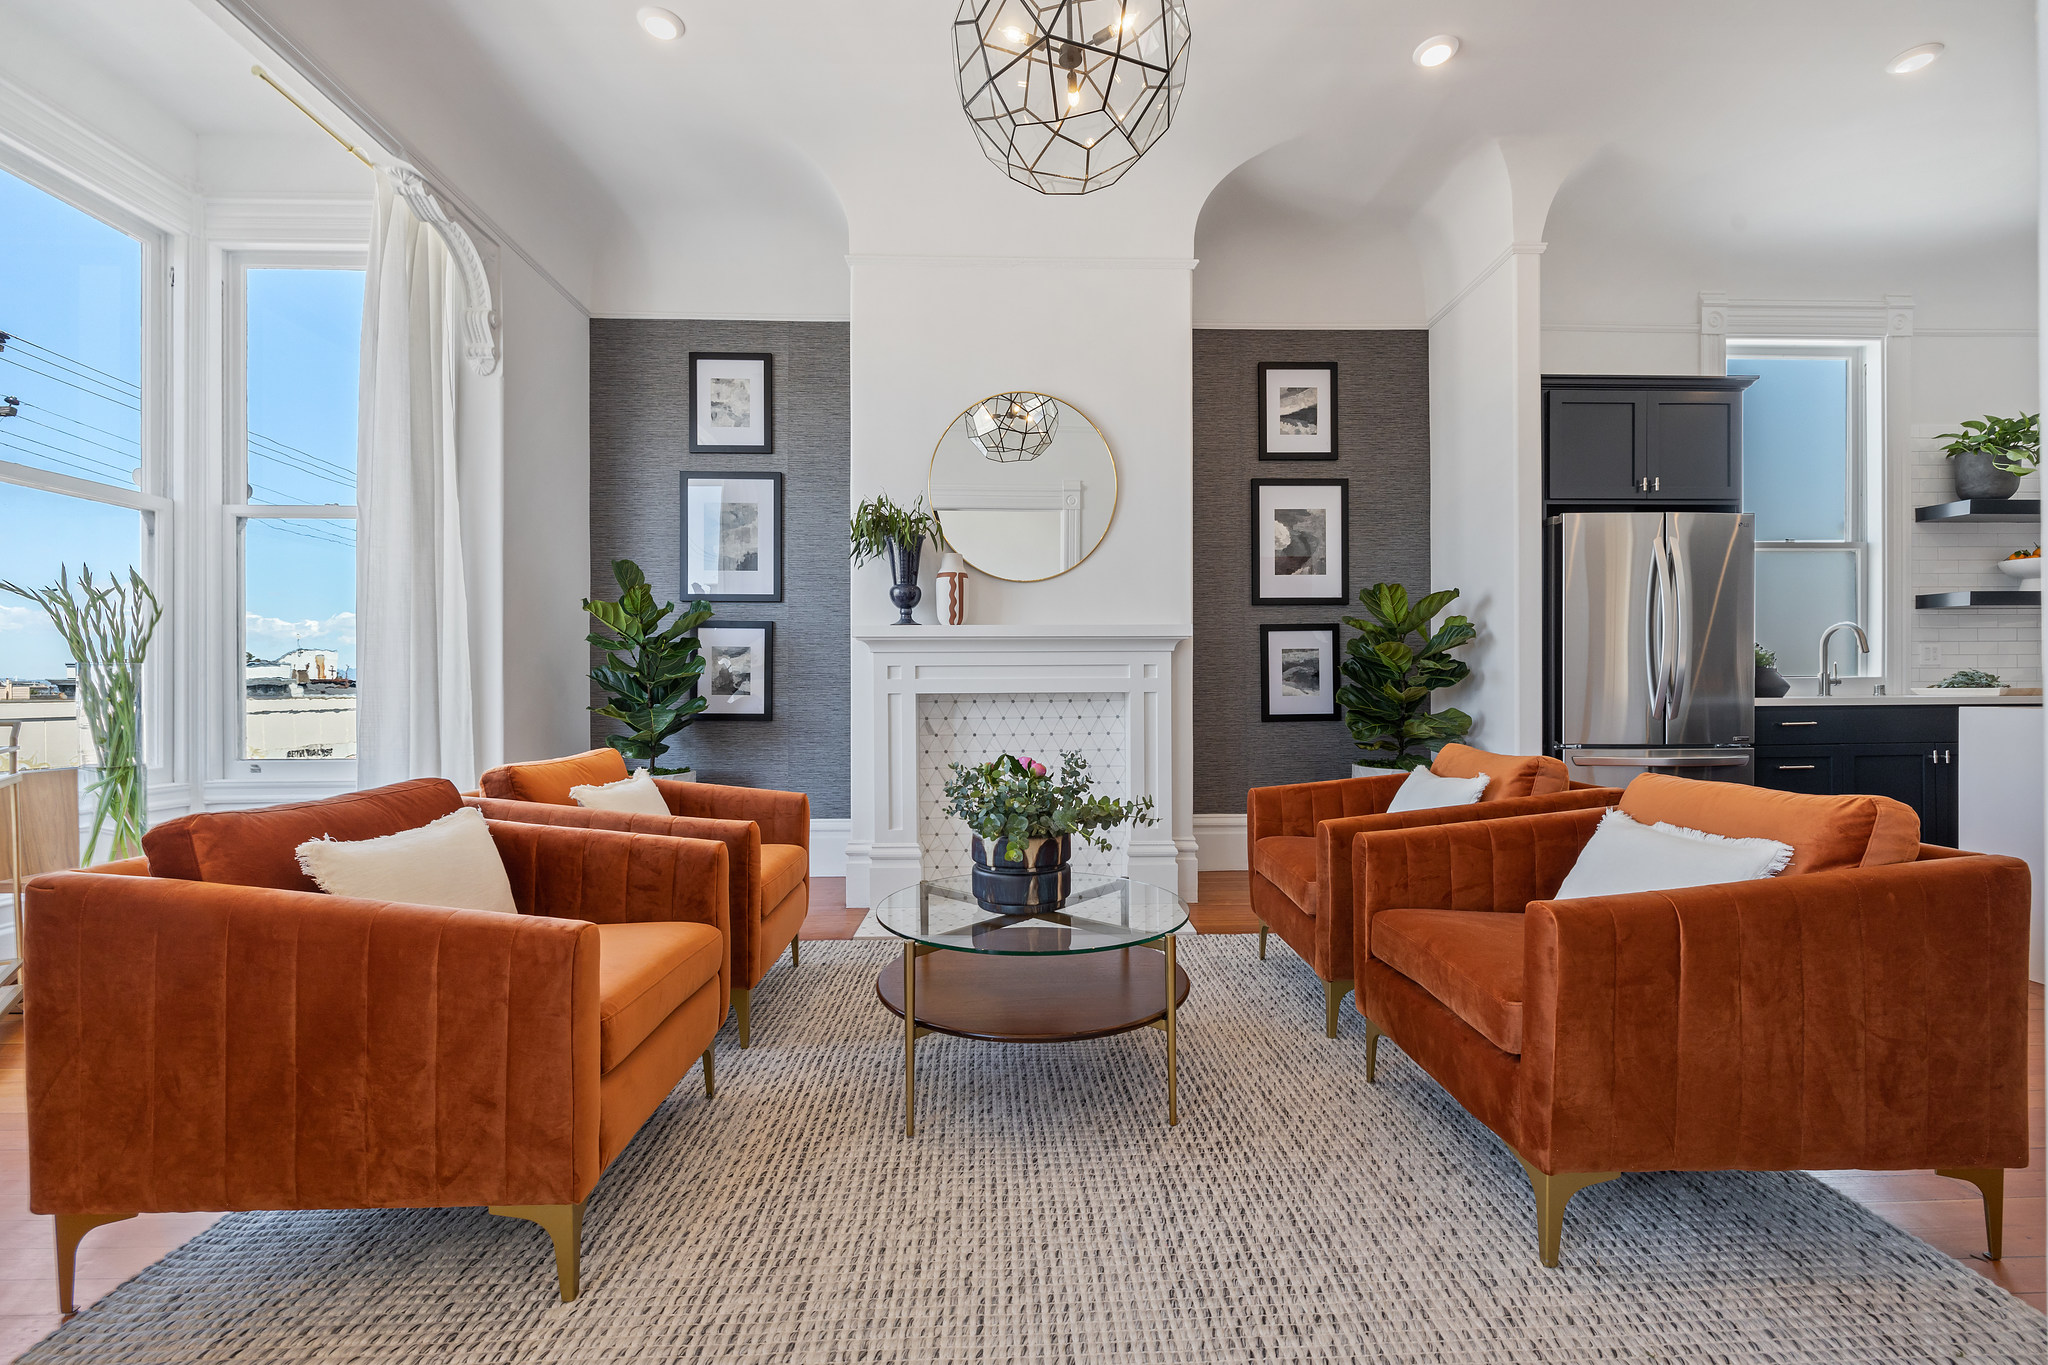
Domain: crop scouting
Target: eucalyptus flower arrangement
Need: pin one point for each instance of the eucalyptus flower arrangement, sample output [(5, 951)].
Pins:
[(1016, 798), (107, 626)]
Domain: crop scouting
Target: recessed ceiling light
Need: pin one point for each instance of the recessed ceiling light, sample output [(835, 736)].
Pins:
[(660, 23), (1436, 51), (1913, 58)]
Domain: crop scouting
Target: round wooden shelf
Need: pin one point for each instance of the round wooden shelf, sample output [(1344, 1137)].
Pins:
[(1054, 999)]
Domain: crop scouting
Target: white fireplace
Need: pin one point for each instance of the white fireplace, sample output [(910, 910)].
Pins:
[(929, 695)]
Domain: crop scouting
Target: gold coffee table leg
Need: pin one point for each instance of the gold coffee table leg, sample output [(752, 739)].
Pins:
[(910, 1040), (1172, 1038)]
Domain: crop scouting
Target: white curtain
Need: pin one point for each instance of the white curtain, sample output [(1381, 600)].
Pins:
[(414, 716)]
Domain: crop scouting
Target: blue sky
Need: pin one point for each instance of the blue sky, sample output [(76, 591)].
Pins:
[(70, 296)]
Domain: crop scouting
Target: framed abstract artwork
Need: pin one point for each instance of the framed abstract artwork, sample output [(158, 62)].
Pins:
[(732, 403), (732, 537), (1298, 672), (739, 670), (1299, 555), (1298, 411)]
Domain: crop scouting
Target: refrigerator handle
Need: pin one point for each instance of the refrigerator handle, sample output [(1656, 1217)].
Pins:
[(1678, 658), (1654, 642)]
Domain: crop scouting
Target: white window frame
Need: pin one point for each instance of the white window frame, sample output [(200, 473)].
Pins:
[(1864, 495), (239, 779), (156, 553)]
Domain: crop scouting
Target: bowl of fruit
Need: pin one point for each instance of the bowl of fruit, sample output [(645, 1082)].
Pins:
[(2024, 566)]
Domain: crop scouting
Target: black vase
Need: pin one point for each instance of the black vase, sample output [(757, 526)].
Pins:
[(1042, 879), (905, 594), (1770, 682)]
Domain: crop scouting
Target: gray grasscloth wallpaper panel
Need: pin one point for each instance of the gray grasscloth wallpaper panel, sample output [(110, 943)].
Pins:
[(639, 448), (1383, 448)]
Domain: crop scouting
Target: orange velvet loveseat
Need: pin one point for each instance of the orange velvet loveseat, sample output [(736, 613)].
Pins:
[(206, 1030), (767, 835), (1300, 845), (1864, 1009)]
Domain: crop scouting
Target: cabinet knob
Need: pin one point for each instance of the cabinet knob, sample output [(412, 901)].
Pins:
[(1657, 484)]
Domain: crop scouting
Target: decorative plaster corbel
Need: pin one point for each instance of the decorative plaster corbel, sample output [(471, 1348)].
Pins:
[(479, 319)]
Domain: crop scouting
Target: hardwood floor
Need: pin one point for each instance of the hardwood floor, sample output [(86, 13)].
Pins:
[(1945, 1213)]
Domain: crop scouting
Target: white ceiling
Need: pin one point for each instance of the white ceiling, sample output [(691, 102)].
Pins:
[(835, 124)]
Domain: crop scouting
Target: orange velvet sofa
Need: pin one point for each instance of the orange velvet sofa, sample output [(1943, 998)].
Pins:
[(1864, 1009), (206, 1030), (1300, 845), (766, 833)]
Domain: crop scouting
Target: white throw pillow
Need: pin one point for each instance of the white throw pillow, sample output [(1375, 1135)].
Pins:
[(636, 795), (1624, 856), (1424, 790), (452, 863)]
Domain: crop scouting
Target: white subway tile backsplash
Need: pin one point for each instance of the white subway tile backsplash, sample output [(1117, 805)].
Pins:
[(1950, 558)]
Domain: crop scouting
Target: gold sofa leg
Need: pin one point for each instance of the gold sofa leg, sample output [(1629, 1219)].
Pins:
[(1262, 940), (1553, 1192), (742, 1002), (71, 1229), (1990, 1182), (710, 1079), (1333, 996), (564, 1226), (1373, 1034)]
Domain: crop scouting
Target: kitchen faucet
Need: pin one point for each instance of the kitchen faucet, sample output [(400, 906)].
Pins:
[(1829, 673)]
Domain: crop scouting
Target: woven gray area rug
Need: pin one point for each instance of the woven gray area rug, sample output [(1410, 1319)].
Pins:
[(1046, 1213)]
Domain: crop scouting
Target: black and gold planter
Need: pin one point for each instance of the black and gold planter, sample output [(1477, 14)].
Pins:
[(1041, 879)]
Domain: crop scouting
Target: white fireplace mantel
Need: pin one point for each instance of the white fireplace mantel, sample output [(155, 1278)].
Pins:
[(903, 663)]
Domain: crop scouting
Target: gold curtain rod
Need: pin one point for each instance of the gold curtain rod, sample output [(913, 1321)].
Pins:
[(260, 74)]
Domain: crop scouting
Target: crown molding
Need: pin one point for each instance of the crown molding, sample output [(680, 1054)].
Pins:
[(1030, 262), (659, 315), (290, 220), (1415, 325), (479, 318), (58, 142), (1486, 272)]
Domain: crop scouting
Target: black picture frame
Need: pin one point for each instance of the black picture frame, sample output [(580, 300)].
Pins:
[(1326, 414), (765, 670), (699, 444), (1330, 680), (772, 590), (1336, 582)]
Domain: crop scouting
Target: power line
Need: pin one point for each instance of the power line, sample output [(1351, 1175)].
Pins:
[(96, 475), (64, 417), (307, 455), (72, 454), (19, 363), (6, 337), (70, 437)]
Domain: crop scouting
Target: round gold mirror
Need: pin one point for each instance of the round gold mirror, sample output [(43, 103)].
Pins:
[(1024, 486)]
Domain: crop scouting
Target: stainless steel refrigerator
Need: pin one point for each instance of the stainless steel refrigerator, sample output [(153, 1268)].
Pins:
[(1652, 619)]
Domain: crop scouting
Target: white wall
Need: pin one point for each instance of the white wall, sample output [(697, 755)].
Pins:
[(546, 523), (931, 335)]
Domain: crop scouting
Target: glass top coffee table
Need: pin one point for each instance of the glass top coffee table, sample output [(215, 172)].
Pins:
[(1081, 969)]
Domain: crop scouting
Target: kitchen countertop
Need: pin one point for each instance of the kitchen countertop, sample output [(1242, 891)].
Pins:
[(1899, 701)]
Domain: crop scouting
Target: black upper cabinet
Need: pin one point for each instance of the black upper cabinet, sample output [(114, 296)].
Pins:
[(1644, 439)]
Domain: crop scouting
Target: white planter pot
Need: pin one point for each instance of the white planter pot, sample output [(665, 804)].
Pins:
[(1371, 770)]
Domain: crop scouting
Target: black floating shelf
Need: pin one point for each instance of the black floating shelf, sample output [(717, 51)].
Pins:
[(1996, 597), (1982, 509)]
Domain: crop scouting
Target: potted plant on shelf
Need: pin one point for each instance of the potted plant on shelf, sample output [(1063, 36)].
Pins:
[(1769, 681), (107, 627), (650, 671), (879, 527), (1390, 667), (1991, 455), (1024, 821)]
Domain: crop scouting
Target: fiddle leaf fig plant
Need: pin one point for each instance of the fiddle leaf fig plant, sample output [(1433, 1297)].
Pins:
[(1392, 665), (650, 670), (2013, 442)]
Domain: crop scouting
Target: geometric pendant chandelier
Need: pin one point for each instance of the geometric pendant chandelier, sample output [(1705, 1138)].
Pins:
[(1012, 428), (1066, 95)]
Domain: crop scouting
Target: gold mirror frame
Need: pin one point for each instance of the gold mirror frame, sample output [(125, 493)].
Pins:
[(1115, 484)]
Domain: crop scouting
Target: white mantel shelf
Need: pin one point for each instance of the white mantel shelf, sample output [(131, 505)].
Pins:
[(916, 639), (900, 664)]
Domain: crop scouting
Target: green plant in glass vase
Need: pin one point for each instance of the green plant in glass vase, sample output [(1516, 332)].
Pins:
[(650, 670), (1017, 799), (1391, 666), (107, 626)]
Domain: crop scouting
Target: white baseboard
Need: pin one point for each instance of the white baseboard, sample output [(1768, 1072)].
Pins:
[(828, 847), (1219, 841)]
